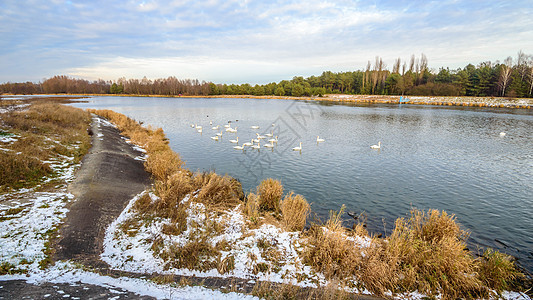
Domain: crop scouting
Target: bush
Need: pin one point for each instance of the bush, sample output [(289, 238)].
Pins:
[(270, 192), (295, 210)]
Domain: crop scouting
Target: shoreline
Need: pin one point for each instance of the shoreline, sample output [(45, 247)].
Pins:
[(464, 101)]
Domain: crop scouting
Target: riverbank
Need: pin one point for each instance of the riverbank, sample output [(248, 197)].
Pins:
[(463, 101)]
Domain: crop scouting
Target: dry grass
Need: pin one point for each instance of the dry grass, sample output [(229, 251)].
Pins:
[(218, 192), (329, 251), (428, 251), (295, 210), (270, 192), (251, 207), (497, 270), (45, 132)]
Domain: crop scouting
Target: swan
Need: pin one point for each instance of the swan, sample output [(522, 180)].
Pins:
[(192, 125), (227, 126), (248, 143), (215, 137), (210, 122), (254, 127), (260, 136), (199, 130), (502, 133), (378, 146), (198, 127), (298, 148), (258, 146), (256, 140), (274, 140), (238, 147), (216, 127), (234, 141), (271, 145), (271, 134), (318, 140), (233, 130), (219, 133)]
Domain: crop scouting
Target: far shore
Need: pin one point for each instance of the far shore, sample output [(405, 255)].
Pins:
[(500, 102)]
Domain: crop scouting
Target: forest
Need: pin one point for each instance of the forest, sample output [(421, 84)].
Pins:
[(511, 78)]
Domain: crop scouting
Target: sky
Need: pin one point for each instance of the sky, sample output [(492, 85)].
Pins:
[(250, 41)]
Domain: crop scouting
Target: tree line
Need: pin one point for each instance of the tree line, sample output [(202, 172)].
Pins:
[(510, 78)]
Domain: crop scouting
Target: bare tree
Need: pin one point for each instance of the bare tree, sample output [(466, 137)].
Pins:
[(396, 66), (412, 63), (505, 74)]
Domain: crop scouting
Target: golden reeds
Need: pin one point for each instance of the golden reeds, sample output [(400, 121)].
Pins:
[(294, 209)]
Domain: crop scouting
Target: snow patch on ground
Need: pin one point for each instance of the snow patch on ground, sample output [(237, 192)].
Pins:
[(64, 272)]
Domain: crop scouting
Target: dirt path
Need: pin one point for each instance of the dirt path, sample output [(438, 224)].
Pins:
[(110, 176)]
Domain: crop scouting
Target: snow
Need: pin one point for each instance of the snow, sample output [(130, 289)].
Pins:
[(8, 138), (65, 272)]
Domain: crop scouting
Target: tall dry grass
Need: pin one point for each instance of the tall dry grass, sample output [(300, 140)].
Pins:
[(45, 132), (270, 192), (295, 210), (329, 251)]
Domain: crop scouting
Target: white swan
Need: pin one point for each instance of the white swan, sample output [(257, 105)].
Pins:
[(192, 125), (298, 148), (227, 126), (318, 140), (258, 146), (210, 122), (502, 133), (271, 134), (248, 143), (254, 127), (260, 136), (199, 130), (271, 145), (378, 146), (215, 137), (219, 133), (216, 127), (232, 130), (239, 147), (198, 127), (234, 141), (256, 140), (274, 140)]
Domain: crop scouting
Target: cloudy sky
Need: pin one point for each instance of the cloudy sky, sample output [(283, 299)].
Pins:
[(237, 41)]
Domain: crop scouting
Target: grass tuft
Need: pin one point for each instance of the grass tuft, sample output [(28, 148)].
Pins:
[(295, 210), (270, 192)]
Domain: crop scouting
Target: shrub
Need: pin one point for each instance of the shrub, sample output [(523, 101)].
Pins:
[(295, 210), (270, 192)]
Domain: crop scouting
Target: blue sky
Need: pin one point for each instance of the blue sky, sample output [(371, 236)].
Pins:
[(240, 41)]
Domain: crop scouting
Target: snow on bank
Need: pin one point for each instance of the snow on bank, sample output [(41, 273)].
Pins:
[(267, 253), (64, 272)]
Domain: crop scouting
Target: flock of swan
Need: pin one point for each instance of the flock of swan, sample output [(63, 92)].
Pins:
[(255, 143)]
